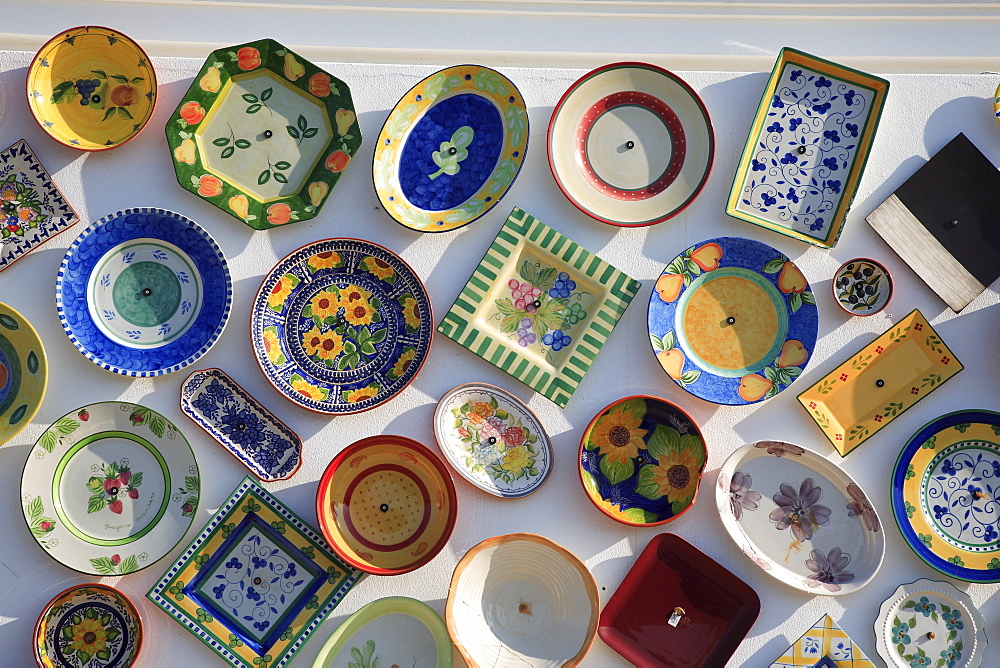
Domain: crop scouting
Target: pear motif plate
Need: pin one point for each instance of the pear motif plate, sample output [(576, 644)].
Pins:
[(23, 373), (732, 321)]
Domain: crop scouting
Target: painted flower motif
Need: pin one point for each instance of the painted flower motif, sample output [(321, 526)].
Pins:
[(792, 196), (776, 103), (618, 436), (817, 225), (327, 345), (491, 429), (779, 448), (741, 496), (800, 511), (307, 389), (515, 460), (768, 199), (900, 635), (279, 213), (325, 260), (359, 313), (775, 127), (89, 636), (486, 453), (822, 108), (377, 268), (948, 467), (823, 82), (513, 437), (403, 362), (789, 159), (831, 163), (185, 152), (411, 312), (758, 166), (362, 394), (676, 476), (925, 606), (248, 58), (833, 185), (272, 347), (832, 135), (479, 412), (353, 294), (762, 563), (325, 304), (951, 655), (859, 506), (795, 74), (918, 661), (243, 427), (952, 620), (192, 113), (850, 129), (849, 99), (794, 123), (829, 571), (280, 292)]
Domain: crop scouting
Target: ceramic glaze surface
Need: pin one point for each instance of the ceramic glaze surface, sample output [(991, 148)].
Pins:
[(91, 88), (493, 440), (824, 641), (862, 287), (88, 626), (23, 373), (32, 209), (800, 518), (110, 488), (732, 321), (341, 326)]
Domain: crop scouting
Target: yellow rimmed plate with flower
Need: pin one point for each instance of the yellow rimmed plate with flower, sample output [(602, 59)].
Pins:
[(88, 625)]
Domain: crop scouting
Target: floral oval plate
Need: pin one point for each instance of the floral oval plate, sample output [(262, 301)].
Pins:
[(493, 440), (451, 148), (641, 460), (91, 88), (732, 321), (386, 505), (928, 623), (391, 631), (630, 144), (144, 292), (341, 326), (945, 491), (110, 488), (90, 625), (800, 518), (23, 372), (862, 286)]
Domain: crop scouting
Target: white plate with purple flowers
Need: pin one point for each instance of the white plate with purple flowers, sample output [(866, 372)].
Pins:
[(800, 518)]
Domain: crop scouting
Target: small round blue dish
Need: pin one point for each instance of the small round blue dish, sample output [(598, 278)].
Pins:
[(144, 292)]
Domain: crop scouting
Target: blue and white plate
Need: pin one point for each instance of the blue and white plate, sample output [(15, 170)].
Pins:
[(144, 292)]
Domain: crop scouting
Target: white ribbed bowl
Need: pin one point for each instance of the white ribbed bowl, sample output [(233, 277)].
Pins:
[(520, 599)]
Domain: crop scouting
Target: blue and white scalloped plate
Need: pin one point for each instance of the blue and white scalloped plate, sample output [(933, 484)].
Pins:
[(144, 292)]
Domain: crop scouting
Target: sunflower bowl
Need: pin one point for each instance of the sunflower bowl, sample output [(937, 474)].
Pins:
[(88, 625)]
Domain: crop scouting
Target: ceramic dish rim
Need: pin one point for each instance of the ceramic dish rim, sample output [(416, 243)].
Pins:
[(878, 265), (26, 419)]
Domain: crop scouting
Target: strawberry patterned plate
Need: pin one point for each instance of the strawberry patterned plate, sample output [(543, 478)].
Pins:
[(110, 488)]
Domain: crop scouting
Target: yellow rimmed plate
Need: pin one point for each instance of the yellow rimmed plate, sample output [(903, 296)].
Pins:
[(23, 373)]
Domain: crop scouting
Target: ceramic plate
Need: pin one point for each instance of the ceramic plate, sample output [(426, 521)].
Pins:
[(944, 494), (393, 631), (247, 430), (630, 144), (539, 307), (110, 488), (263, 134), (678, 607), (519, 600), (732, 321), (932, 622), (451, 148), (493, 440), (32, 209), (23, 373), (800, 518), (862, 286), (144, 292), (824, 645), (641, 460), (807, 148), (341, 326), (255, 583), (91, 88), (387, 504), (88, 625)]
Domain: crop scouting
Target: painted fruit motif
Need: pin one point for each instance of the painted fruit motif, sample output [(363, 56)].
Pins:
[(240, 205), (707, 257), (791, 279), (754, 387), (293, 68), (248, 58), (668, 286), (211, 82), (124, 95), (793, 353), (210, 186), (344, 119), (317, 191), (337, 161), (672, 362)]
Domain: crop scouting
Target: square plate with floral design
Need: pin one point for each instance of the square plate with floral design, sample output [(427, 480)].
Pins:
[(256, 582), (824, 644), (807, 148), (539, 307), (32, 209)]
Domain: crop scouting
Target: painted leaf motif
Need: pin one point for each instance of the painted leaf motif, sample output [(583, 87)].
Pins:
[(774, 266), (646, 484), (103, 565), (128, 565), (663, 441), (8, 322), (616, 472)]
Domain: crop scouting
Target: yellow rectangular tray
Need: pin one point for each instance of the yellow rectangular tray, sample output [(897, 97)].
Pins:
[(868, 391)]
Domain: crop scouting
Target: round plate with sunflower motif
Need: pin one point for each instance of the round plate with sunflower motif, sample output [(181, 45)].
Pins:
[(341, 326), (88, 625), (23, 372), (641, 460)]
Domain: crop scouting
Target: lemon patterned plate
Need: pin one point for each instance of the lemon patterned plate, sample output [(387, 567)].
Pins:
[(23, 372), (91, 88)]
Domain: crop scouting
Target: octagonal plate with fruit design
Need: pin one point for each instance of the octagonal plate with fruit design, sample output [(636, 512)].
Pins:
[(732, 321), (110, 488), (263, 134)]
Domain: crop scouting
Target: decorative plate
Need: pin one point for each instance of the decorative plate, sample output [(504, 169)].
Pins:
[(539, 307), (996, 104), (86, 626), (386, 504), (389, 631), (800, 518), (944, 491), (493, 440), (451, 148), (641, 460), (678, 607), (110, 488), (630, 144), (519, 600), (930, 623), (263, 134), (23, 373), (144, 292), (341, 325), (247, 430), (825, 645), (732, 321), (91, 88), (798, 175), (32, 209), (868, 391), (255, 583), (862, 286)]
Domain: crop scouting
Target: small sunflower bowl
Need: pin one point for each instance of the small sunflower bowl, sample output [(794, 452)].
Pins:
[(88, 625)]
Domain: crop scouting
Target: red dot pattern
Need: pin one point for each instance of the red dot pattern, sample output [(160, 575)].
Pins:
[(407, 503)]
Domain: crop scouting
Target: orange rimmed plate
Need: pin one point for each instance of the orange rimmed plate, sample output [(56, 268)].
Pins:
[(387, 505), (91, 88)]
